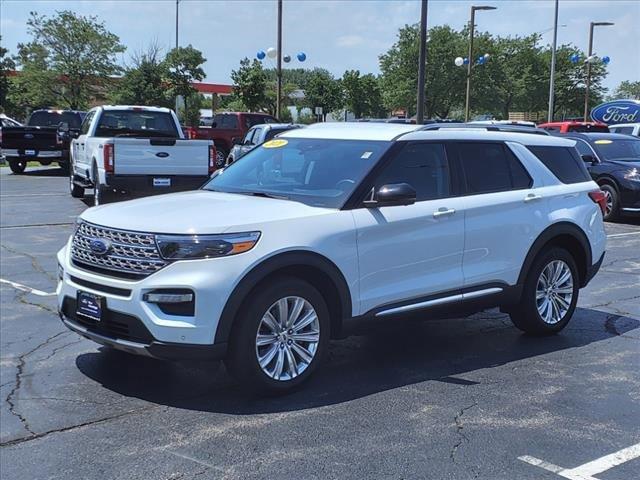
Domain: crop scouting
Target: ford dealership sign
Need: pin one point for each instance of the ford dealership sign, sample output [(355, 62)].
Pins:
[(617, 111)]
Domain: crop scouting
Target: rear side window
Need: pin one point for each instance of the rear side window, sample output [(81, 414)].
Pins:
[(563, 162), (424, 166), (491, 167), (227, 121)]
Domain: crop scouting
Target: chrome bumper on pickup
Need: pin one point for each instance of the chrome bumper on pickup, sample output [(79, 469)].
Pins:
[(11, 152)]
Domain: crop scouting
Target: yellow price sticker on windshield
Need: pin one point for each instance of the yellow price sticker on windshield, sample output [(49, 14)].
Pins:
[(275, 143), (603, 142)]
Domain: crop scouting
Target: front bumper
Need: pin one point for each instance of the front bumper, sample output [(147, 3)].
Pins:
[(135, 325)]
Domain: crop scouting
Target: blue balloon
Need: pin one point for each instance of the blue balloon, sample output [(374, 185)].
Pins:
[(261, 55), (481, 60), (465, 61), (575, 58), (606, 60), (301, 56)]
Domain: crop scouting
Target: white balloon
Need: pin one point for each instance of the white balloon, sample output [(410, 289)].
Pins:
[(459, 61), (271, 52), (486, 56)]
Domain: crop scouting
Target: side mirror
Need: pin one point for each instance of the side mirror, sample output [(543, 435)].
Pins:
[(63, 127), (589, 159), (391, 195)]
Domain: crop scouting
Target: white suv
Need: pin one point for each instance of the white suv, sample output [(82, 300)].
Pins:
[(331, 225)]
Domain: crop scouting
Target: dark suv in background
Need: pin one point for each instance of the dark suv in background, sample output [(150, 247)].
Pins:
[(613, 160)]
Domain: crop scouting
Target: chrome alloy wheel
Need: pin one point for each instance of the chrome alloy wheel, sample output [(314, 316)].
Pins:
[(554, 292), (288, 338)]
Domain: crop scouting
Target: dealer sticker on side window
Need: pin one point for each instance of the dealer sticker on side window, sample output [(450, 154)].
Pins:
[(275, 143)]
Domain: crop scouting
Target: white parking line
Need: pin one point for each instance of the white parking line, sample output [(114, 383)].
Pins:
[(623, 234), (587, 470), (24, 288)]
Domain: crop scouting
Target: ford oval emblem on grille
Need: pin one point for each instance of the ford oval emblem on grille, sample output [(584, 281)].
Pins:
[(28, 135), (162, 154), (99, 246)]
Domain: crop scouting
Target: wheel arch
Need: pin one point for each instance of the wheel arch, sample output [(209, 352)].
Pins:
[(312, 267), (568, 236), (608, 180)]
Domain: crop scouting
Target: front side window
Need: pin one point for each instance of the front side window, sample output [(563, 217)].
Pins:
[(84, 128), (424, 166), (248, 138), (563, 163), (136, 123), (491, 167), (317, 172)]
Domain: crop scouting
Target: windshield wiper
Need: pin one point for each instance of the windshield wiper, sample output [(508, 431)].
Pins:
[(264, 195)]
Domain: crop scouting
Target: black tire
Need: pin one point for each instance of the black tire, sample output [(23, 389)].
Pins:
[(17, 166), (525, 314), (242, 358), (101, 194), (221, 157), (75, 190), (613, 202)]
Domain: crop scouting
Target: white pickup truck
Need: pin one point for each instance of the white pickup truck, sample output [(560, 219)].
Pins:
[(136, 150)]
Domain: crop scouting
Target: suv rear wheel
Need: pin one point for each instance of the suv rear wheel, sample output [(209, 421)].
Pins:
[(280, 337), (549, 295)]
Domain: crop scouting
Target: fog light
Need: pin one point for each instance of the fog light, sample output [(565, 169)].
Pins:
[(168, 297), (60, 273)]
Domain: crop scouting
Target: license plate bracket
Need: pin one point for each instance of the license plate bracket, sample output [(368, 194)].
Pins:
[(30, 153), (89, 305)]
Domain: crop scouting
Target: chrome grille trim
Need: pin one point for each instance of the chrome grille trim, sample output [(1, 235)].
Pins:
[(131, 253)]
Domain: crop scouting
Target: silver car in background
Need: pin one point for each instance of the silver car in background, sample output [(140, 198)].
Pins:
[(257, 135)]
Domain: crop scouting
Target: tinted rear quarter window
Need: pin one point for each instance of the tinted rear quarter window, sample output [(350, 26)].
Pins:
[(563, 162), (491, 167)]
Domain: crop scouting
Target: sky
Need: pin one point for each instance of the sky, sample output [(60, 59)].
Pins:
[(336, 35)]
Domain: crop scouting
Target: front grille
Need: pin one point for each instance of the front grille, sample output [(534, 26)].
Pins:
[(131, 254)]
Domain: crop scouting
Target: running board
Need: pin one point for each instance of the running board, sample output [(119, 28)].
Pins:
[(439, 301)]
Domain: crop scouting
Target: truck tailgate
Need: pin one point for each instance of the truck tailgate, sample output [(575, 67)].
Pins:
[(160, 156)]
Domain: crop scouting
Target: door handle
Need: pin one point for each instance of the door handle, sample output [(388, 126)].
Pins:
[(531, 197), (443, 211)]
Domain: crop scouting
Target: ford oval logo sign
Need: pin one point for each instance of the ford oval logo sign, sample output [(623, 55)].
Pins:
[(28, 135), (617, 111), (99, 246), (162, 154)]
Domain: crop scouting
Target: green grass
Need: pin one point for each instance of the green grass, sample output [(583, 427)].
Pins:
[(30, 164)]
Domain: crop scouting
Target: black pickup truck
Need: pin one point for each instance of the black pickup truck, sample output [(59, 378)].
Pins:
[(39, 140)]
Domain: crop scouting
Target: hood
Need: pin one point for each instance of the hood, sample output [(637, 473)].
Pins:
[(198, 211), (628, 163)]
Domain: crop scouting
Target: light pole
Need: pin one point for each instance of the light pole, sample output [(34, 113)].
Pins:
[(589, 60), (421, 65), (177, 96), (552, 75), (279, 62), (472, 27)]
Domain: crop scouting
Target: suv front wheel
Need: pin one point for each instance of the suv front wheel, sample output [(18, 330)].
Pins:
[(549, 295), (280, 336)]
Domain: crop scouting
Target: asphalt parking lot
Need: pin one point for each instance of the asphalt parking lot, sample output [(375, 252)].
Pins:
[(445, 399)]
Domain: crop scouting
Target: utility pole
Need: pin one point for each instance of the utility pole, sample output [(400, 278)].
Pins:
[(177, 96), (472, 27), (422, 65), (279, 63), (552, 76), (589, 60)]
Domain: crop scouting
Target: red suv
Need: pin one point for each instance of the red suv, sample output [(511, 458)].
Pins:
[(574, 126)]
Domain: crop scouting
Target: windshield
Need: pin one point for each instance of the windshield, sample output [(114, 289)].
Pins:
[(627, 149), (317, 172), (53, 119), (136, 123)]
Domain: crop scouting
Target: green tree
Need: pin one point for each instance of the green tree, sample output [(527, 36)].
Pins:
[(362, 94), (183, 66), (626, 89), (6, 65), (250, 84), (35, 86), (80, 51), (399, 67), (143, 81), (324, 91)]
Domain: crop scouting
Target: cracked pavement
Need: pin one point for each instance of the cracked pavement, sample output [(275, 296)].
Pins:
[(443, 399)]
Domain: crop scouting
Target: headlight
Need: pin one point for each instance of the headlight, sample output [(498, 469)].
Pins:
[(633, 175), (176, 247)]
